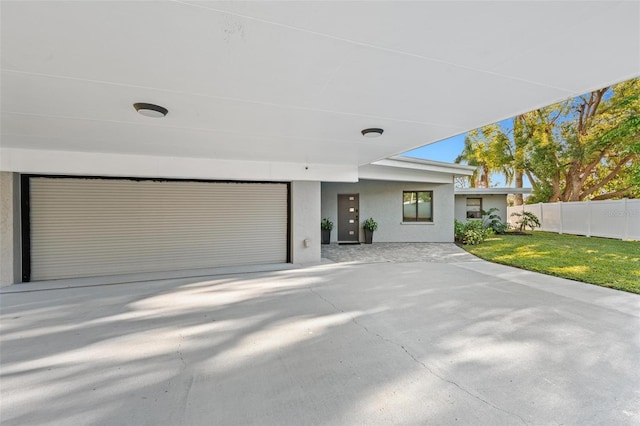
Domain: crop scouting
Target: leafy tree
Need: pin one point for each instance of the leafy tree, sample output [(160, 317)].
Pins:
[(543, 162), (484, 148), (587, 147), (495, 149), (612, 141)]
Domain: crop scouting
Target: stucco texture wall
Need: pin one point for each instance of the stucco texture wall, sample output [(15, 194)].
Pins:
[(305, 222), (488, 202), (382, 200)]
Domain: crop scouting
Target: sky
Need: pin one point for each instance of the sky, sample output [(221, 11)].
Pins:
[(446, 150)]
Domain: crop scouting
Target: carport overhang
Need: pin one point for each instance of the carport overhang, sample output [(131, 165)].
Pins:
[(281, 91)]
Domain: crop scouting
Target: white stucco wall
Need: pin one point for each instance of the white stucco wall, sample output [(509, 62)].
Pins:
[(382, 200), (488, 202), (10, 271), (305, 221)]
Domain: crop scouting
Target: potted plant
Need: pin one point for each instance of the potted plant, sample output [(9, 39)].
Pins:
[(326, 226), (369, 225)]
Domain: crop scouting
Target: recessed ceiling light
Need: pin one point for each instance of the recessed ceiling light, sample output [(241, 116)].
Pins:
[(372, 133), (150, 110)]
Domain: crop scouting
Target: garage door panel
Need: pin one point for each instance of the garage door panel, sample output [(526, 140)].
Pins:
[(92, 227)]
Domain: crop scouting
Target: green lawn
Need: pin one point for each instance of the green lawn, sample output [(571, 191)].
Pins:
[(600, 261)]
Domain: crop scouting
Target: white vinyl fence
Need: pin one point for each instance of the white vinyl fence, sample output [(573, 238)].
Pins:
[(608, 218)]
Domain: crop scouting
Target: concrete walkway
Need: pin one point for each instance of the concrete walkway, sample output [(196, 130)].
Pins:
[(465, 343)]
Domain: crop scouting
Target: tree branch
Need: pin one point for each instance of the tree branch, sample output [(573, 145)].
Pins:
[(608, 178), (534, 182), (611, 195), (587, 170)]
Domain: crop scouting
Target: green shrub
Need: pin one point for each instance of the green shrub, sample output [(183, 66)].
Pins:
[(458, 230), (471, 233), (475, 233)]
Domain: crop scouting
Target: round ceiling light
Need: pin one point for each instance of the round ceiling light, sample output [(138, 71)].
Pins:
[(150, 110), (372, 133)]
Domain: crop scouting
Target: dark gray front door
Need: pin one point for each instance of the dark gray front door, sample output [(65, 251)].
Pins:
[(348, 223)]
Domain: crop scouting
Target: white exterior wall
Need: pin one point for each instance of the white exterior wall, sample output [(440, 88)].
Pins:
[(305, 222), (382, 200), (497, 201), (10, 269)]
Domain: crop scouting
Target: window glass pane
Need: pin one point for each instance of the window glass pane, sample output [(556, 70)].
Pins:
[(424, 207), (474, 208), (409, 207), (424, 211)]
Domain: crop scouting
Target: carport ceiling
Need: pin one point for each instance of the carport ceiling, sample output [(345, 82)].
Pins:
[(296, 81)]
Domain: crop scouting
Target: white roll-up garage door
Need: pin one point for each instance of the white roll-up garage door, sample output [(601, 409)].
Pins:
[(94, 227)]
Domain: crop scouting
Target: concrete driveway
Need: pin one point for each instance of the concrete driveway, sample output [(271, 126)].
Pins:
[(440, 343)]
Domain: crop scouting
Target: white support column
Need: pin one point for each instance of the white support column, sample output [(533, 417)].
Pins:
[(10, 272), (305, 222)]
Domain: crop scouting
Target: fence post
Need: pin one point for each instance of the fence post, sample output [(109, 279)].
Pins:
[(561, 218), (627, 213), (589, 207), (541, 215)]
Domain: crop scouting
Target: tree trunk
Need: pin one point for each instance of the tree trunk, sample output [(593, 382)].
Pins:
[(517, 198), (485, 177), (557, 190)]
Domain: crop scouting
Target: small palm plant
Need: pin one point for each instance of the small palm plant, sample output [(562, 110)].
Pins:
[(526, 220), (491, 219)]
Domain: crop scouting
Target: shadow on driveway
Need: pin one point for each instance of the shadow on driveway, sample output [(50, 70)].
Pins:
[(381, 343)]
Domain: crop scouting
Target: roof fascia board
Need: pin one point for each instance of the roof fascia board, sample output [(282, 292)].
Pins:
[(427, 166), (492, 191), (109, 164), (403, 174)]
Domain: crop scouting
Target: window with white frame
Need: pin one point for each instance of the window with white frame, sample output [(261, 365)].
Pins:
[(474, 208)]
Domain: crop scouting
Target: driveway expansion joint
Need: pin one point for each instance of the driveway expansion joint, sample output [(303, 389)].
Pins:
[(415, 359)]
